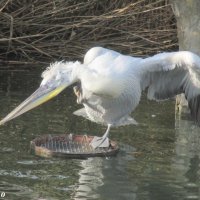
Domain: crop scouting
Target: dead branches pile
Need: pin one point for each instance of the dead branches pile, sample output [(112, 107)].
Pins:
[(45, 30)]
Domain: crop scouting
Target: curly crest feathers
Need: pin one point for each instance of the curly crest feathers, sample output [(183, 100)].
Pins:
[(59, 71)]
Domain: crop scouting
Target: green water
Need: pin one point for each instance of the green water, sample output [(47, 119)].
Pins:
[(157, 159)]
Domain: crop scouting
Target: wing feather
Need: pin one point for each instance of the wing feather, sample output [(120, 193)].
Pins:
[(168, 74)]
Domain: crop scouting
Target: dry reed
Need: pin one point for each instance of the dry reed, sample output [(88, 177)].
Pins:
[(34, 31)]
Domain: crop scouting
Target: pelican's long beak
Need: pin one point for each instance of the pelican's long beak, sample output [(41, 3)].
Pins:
[(41, 95)]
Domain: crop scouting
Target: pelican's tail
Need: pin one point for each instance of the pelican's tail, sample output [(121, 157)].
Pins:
[(126, 120), (81, 112)]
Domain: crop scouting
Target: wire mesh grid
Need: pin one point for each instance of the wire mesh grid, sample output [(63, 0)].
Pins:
[(70, 145)]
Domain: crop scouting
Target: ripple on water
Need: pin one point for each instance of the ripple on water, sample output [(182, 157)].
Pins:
[(14, 189), (18, 174), (6, 150), (37, 162)]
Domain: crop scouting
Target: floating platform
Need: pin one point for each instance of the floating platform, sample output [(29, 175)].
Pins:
[(70, 146)]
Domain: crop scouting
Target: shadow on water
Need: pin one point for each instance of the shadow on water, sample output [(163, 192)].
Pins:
[(158, 160)]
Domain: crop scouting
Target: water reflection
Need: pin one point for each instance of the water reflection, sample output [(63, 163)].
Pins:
[(106, 178), (90, 179), (187, 151), (159, 159)]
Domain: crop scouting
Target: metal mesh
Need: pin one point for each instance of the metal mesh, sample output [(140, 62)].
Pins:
[(68, 145)]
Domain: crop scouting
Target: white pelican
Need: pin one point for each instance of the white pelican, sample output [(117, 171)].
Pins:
[(109, 85)]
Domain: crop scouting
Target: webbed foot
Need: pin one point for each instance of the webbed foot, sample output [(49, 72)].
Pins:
[(102, 142)]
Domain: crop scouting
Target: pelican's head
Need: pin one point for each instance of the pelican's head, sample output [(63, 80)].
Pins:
[(55, 79)]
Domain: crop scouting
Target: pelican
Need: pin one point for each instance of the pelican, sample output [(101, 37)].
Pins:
[(109, 85)]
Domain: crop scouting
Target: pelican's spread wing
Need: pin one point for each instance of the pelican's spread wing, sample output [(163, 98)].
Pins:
[(169, 74)]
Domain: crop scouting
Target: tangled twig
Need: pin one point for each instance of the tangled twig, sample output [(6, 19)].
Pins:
[(43, 31)]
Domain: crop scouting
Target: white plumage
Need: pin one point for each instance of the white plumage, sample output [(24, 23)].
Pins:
[(109, 84), (112, 83)]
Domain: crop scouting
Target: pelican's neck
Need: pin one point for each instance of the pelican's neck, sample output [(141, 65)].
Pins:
[(76, 71)]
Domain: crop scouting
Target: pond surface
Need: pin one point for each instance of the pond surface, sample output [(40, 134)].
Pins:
[(159, 159)]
